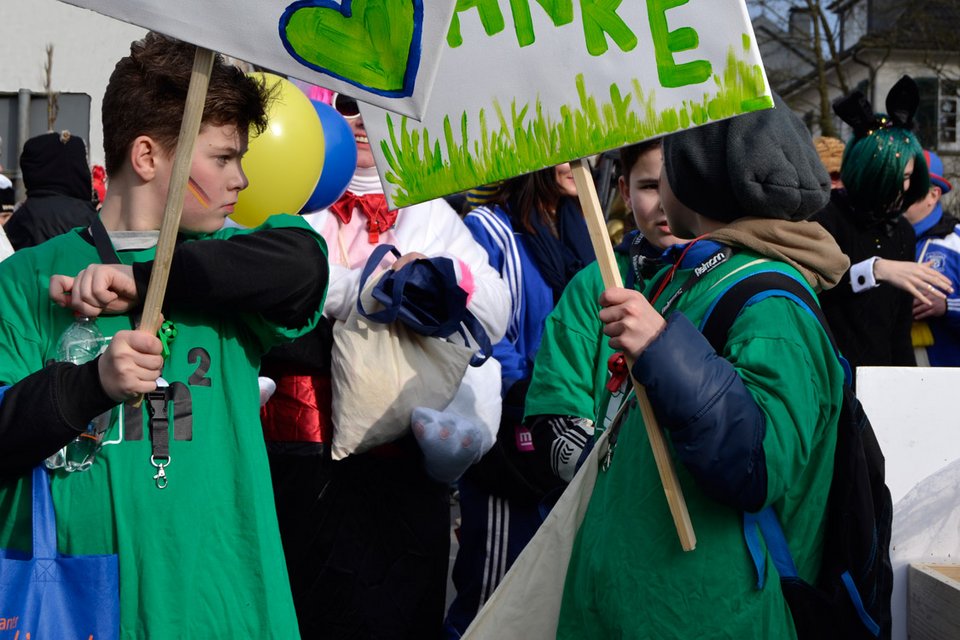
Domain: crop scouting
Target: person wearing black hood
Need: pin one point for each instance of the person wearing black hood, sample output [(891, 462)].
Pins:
[(59, 189)]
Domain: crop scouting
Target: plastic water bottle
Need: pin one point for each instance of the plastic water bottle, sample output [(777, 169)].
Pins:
[(81, 342)]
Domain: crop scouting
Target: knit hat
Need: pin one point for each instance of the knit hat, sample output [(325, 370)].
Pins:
[(830, 151), (760, 164), (483, 194), (56, 162), (935, 169), (7, 199), (7, 195)]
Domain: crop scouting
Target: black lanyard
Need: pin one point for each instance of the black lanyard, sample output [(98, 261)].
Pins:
[(699, 272), (159, 434), (156, 400), (101, 240)]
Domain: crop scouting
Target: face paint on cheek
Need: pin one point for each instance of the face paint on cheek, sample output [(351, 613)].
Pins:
[(198, 193)]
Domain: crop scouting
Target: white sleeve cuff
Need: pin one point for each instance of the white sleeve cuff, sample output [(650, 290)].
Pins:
[(861, 275)]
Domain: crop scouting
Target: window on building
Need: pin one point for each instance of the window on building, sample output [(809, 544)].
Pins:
[(853, 22), (938, 112), (928, 112), (948, 115)]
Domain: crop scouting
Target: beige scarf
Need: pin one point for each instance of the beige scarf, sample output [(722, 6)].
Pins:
[(806, 246)]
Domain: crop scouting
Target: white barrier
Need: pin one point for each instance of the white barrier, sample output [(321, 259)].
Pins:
[(915, 413)]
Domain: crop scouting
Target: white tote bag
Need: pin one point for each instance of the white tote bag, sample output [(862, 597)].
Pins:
[(381, 372), (526, 604)]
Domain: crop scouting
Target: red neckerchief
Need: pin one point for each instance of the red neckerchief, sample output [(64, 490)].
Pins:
[(617, 365), (372, 205)]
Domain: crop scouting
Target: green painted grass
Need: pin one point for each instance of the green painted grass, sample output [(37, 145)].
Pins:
[(519, 141)]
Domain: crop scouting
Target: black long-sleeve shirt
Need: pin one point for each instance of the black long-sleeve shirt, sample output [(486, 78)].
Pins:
[(280, 273)]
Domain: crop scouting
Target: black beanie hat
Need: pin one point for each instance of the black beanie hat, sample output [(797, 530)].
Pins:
[(7, 198), (761, 164), (56, 162)]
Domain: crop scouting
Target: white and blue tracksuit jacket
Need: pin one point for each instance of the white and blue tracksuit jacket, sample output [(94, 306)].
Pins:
[(939, 243)]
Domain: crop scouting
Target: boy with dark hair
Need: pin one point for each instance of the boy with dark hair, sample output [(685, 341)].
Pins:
[(199, 556), (639, 187), (752, 426), (563, 426), (147, 91)]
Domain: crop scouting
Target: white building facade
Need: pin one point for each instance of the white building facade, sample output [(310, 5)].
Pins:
[(878, 42), (86, 46)]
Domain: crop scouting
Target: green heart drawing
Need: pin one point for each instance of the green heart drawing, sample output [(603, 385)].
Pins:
[(372, 44)]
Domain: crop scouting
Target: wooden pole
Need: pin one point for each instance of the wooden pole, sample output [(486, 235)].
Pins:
[(593, 213), (180, 173)]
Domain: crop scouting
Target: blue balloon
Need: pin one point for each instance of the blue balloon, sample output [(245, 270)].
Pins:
[(339, 158)]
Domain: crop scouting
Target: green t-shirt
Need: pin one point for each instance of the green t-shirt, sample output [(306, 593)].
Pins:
[(628, 576), (570, 373), (201, 558)]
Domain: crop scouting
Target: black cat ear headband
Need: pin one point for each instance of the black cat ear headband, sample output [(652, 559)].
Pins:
[(902, 102)]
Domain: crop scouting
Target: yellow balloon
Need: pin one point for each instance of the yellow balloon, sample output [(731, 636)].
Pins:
[(283, 164)]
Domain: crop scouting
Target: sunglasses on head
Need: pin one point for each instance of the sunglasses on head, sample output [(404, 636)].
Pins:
[(346, 106)]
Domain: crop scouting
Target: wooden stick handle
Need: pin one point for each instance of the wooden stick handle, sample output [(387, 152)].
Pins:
[(180, 173), (593, 213)]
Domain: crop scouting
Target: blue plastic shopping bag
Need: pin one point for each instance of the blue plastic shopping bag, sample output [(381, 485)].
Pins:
[(45, 595), (423, 295)]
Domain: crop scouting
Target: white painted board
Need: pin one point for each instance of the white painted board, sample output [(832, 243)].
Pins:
[(384, 52), (527, 84)]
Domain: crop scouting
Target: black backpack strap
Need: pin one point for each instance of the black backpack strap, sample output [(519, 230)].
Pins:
[(716, 324), (101, 240), (715, 327)]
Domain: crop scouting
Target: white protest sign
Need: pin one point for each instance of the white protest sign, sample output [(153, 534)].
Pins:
[(380, 51), (524, 85)]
